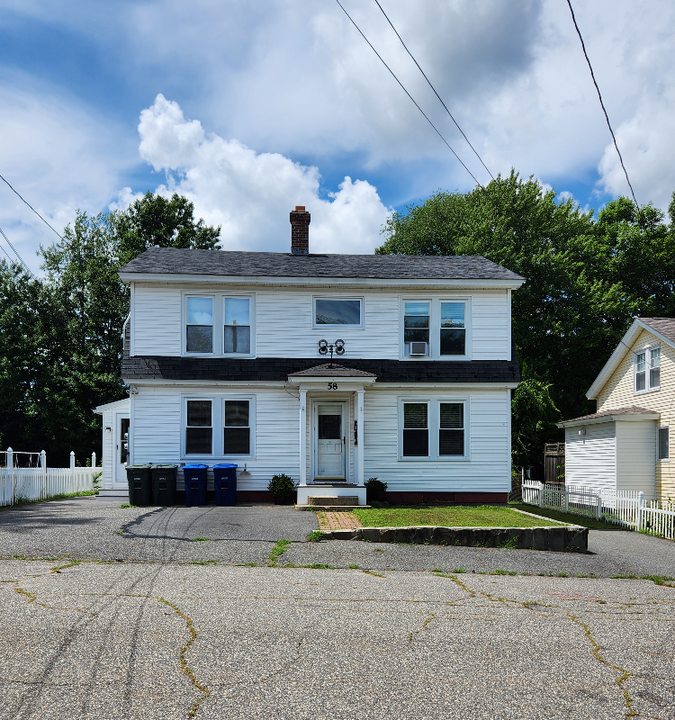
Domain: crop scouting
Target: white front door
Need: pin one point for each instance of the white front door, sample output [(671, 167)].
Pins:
[(330, 440), (120, 449)]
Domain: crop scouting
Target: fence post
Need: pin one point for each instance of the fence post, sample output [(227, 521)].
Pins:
[(567, 500), (541, 495), (10, 465), (43, 467), (641, 502), (599, 512), (72, 469), (93, 460)]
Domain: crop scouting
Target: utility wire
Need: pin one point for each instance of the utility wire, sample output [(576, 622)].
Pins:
[(602, 104), (440, 99), (408, 94), (2, 232), (31, 207)]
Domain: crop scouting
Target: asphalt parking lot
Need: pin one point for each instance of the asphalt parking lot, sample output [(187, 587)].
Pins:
[(139, 615)]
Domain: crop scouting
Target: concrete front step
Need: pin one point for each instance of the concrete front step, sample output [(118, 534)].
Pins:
[(333, 500)]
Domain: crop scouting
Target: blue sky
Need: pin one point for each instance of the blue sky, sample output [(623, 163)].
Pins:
[(250, 108)]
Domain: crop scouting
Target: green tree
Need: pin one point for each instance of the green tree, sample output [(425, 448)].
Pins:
[(61, 335), (154, 220), (586, 278)]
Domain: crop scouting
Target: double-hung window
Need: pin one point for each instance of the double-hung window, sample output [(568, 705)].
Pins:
[(416, 327), (437, 328), (237, 331), (237, 428), (202, 418), (433, 429), (647, 369), (199, 427), (663, 442), (199, 326), (453, 329)]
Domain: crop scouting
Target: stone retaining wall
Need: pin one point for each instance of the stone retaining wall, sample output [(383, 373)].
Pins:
[(562, 538)]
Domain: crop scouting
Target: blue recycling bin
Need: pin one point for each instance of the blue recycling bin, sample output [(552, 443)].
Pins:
[(225, 483), (195, 484)]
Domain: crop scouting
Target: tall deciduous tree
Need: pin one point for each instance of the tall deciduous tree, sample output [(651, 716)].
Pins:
[(586, 280), (61, 336)]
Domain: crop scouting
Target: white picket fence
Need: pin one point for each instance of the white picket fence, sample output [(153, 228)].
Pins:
[(25, 477), (627, 508)]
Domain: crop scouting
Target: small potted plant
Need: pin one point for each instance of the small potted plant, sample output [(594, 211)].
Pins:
[(282, 488)]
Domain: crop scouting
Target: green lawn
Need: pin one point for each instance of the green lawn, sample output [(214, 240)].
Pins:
[(571, 518), (455, 515)]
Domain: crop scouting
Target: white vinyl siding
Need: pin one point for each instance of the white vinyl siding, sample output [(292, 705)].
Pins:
[(487, 425), (590, 458), (157, 318), (635, 456), (283, 321)]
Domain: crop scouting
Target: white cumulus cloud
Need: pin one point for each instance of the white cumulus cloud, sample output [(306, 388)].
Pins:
[(251, 194)]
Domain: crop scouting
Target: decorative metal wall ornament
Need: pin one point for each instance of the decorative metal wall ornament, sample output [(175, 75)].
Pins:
[(326, 348)]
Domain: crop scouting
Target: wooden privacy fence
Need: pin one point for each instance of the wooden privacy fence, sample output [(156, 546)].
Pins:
[(25, 477), (627, 508), (554, 463)]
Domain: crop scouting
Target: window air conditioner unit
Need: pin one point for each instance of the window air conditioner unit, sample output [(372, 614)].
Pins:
[(419, 348)]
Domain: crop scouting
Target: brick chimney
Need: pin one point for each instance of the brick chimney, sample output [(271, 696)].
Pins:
[(300, 230)]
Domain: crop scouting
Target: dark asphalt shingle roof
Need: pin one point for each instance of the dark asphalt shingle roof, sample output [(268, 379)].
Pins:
[(177, 261), (334, 370), (665, 326)]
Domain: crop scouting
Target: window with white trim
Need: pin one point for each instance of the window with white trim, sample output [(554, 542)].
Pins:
[(663, 443), (199, 427), (338, 312), (433, 429), (233, 414), (437, 329), (237, 428), (199, 325), (237, 327), (647, 366)]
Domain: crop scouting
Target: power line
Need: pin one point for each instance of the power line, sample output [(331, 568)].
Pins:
[(407, 93), (434, 89), (2, 232), (31, 207), (602, 104)]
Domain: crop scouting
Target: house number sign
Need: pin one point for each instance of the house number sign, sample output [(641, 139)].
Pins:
[(332, 386)]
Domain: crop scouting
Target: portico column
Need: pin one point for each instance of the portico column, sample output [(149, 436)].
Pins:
[(359, 437), (303, 437)]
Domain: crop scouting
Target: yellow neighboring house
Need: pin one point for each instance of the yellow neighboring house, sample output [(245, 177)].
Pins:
[(625, 445)]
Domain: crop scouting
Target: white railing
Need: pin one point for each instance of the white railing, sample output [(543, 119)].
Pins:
[(626, 508), (25, 477)]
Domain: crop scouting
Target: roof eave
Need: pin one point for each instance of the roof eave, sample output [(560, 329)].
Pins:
[(635, 417), (180, 278)]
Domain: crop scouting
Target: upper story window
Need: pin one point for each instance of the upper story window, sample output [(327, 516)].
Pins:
[(416, 328), (338, 311), (203, 314), (647, 369), (199, 326), (453, 329), (436, 329), (237, 334)]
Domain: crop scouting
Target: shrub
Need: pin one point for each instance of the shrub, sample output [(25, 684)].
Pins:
[(281, 486), (376, 490)]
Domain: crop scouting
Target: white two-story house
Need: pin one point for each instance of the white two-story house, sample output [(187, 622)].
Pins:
[(329, 368)]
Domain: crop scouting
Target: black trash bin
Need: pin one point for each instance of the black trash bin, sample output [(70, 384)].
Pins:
[(195, 483), (164, 484), (140, 489), (225, 483)]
